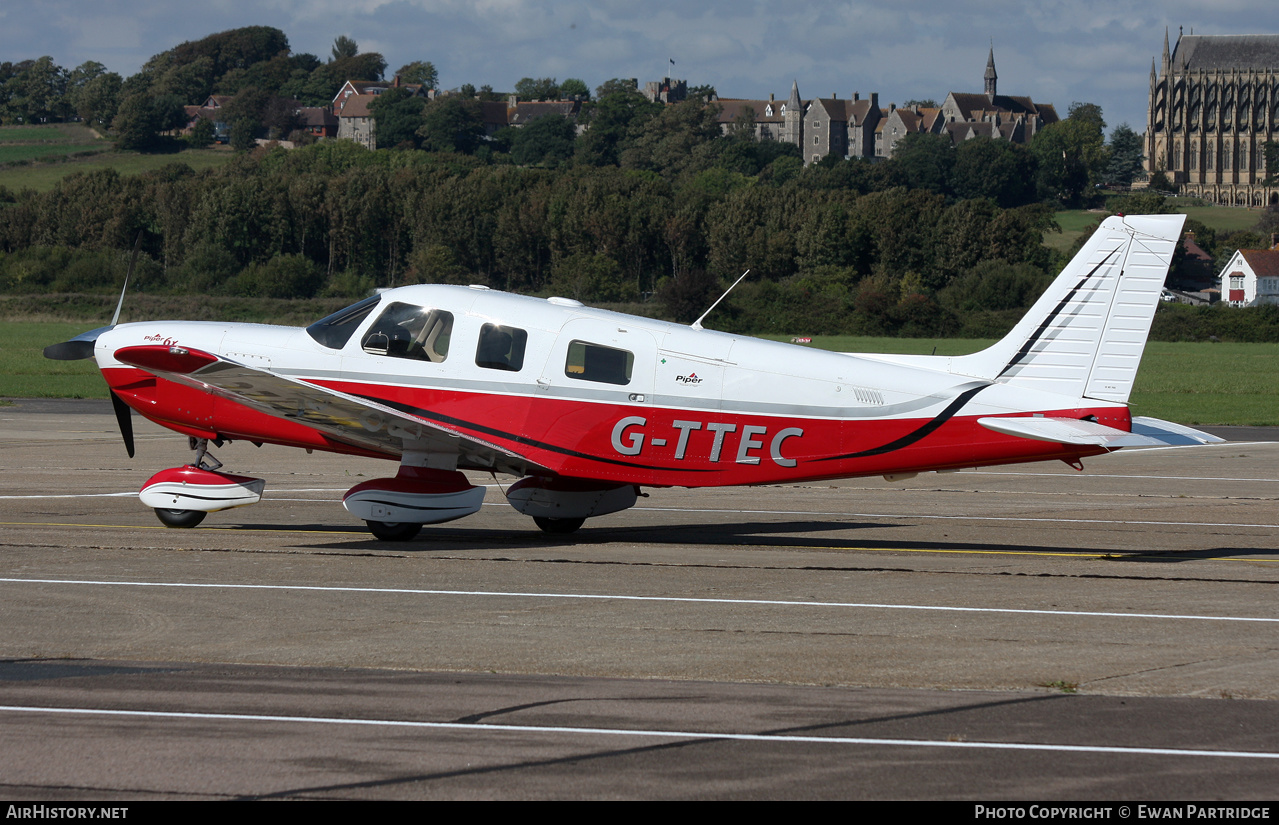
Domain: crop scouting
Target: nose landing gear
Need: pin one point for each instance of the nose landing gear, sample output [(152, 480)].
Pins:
[(183, 496)]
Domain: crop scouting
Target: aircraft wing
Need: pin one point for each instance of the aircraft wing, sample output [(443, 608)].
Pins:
[(344, 418), (1147, 432)]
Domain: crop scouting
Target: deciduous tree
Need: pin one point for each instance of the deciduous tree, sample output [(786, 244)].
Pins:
[(420, 72)]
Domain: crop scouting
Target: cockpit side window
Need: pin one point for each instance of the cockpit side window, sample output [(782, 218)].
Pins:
[(335, 330), (592, 362), (410, 331), (501, 348)]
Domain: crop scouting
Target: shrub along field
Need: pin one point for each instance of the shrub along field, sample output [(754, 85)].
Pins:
[(1190, 383)]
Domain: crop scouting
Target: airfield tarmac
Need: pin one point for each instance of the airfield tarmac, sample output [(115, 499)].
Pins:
[(1027, 632)]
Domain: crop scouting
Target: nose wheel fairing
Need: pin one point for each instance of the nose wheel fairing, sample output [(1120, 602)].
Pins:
[(195, 489)]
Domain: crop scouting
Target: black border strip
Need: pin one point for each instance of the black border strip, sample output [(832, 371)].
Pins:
[(1057, 310), (916, 435), (522, 439)]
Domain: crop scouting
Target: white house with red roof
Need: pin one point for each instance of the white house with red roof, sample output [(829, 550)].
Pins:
[(1251, 278)]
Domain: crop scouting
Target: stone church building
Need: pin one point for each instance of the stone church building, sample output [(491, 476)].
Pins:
[(1214, 104)]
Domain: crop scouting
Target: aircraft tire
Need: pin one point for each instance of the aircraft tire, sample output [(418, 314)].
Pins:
[(558, 526), (393, 530), (179, 518)]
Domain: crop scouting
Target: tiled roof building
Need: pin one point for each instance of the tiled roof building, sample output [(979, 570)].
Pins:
[(845, 128), (1251, 278), (859, 128), (990, 114)]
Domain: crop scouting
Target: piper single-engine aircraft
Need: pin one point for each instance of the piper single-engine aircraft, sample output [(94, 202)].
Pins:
[(586, 407)]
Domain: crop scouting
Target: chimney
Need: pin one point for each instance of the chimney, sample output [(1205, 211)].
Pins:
[(874, 100), (770, 97), (857, 96)]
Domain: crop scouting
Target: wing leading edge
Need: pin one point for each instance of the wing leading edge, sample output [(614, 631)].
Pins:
[(345, 418)]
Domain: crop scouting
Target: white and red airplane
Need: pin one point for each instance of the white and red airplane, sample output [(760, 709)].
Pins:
[(587, 406)]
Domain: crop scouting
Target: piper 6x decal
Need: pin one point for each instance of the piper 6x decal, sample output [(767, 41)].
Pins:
[(629, 439)]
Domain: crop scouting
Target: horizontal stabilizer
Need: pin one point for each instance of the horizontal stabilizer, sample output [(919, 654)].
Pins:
[(1067, 431), (1176, 435), (1146, 432)]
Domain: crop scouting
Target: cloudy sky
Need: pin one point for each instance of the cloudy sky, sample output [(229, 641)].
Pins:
[(1055, 51)]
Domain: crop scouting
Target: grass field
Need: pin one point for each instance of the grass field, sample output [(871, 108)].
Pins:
[(1186, 383), (19, 144), (26, 373), (27, 134), (1224, 219), (1196, 383), (44, 176), (45, 148), (14, 152)]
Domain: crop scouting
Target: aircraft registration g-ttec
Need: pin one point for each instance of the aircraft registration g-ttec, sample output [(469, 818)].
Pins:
[(586, 407)]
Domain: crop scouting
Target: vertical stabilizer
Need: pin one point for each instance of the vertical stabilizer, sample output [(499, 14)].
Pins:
[(1084, 336)]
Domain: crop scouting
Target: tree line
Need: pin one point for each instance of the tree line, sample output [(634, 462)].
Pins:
[(336, 219), (635, 202)]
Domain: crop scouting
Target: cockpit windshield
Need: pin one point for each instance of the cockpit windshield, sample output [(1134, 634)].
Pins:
[(410, 331), (335, 330)]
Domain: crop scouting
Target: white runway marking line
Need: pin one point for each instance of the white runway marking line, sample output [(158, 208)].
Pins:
[(1087, 474), (624, 598), (649, 734), (949, 518), (75, 495)]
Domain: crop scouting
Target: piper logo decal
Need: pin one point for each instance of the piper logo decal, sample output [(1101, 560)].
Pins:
[(691, 378)]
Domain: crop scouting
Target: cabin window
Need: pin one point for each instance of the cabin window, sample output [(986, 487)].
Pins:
[(501, 348), (592, 362), (409, 331), (335, 330)]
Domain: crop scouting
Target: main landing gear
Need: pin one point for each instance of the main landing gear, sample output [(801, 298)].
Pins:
[(560, 506), (396, 508), (558, 526), (183, 496)]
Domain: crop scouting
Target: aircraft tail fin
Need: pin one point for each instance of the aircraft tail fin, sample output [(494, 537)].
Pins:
[(1085, 335)]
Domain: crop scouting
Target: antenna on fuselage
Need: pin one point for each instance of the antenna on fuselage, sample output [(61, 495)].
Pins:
[(698, 323)]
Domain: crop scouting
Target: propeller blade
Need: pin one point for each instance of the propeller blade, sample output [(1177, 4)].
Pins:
[(81, 346), (124, 417), (133, 261), (77, 348)]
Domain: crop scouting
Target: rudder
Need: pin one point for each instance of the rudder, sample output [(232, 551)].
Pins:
[(1085, 335)]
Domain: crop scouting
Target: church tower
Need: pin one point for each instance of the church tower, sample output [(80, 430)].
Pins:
[(793, 121), (991, 78)]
